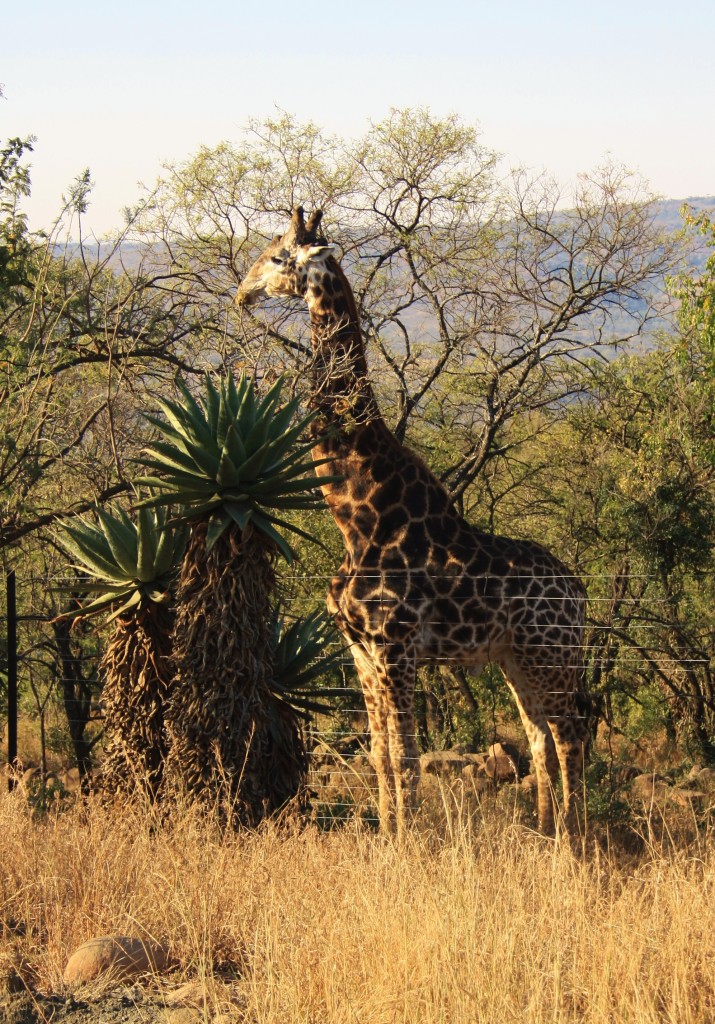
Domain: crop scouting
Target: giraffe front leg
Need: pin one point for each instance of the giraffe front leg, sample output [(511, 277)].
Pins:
[(406, 770), (404, 752), (543, 749), (379, 740), (380, 759)]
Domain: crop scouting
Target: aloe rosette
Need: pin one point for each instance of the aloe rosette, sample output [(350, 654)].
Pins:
[(304, 650), (131, 563), (233, 457)]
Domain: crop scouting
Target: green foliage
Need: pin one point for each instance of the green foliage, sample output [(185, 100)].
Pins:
[(15, 244), (697, 323), (233, 457), (671, 526), (606, 794), (132, 563)]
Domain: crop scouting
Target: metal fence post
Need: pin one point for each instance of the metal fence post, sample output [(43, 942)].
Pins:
[(11, 677)]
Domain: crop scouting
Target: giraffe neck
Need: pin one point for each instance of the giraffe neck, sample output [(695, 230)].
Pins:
[(349, 429), (341, 391)]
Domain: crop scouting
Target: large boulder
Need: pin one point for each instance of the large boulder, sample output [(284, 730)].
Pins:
[(115, 957), (649, 787), (503, 763), (474, 778)]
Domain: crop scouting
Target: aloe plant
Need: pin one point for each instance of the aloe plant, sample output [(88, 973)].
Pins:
[(235, 462), (132, 566)]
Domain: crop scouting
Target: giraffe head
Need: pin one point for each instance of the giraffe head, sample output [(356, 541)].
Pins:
[(284, 267)]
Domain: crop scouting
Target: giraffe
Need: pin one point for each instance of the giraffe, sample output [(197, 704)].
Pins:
[(418, 583)]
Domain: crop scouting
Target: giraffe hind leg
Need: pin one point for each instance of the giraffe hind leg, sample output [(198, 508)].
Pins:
[(570, 748), (546, 768), (543, 751)]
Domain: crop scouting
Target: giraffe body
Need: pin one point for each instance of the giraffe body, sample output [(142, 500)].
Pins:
[(418, 583)]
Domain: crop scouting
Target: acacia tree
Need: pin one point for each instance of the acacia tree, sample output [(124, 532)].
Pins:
[(479, 295), (87, 331)]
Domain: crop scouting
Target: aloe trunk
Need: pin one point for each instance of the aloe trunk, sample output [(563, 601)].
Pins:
[(231, 739), (137, 670)]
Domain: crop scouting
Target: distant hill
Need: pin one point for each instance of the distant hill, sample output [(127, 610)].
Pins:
[(669, 209), (668, 217)]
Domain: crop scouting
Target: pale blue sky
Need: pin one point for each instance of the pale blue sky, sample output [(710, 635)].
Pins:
[(554, 85)]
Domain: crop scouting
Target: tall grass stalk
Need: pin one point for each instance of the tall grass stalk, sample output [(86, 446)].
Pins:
[(489, 923)]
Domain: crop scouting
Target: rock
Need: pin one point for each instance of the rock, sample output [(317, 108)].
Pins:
[(706, 779), (529, 784), (684, 797), (191, 993), (322, 753), (71, 780), (652, 788), (500, 768), (119, 957), (442, 762), (338, 751), (475, 779), (648, 787), (362, 765), (183, 1015), (478, 760), (497, 757), (689, 782), (504, 750)]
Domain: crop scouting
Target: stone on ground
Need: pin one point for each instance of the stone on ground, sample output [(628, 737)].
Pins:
[(118, 957)]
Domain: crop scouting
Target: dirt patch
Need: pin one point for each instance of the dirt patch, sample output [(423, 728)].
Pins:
[(121, 1006)]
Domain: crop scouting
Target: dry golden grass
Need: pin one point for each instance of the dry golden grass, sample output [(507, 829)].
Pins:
[(485, 923)]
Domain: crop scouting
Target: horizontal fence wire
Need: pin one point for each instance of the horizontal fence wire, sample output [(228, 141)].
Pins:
[(637, 634)]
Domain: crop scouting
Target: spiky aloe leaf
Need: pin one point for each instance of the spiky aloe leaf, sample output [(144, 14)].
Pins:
[(218, 524), (303, 651), (130, 564), (122, 541), (230, 455), (89, 547)]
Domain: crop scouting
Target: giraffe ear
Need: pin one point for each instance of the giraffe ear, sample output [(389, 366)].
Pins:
[(314, 252)]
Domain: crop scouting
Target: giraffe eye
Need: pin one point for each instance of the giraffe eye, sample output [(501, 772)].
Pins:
[(276, 259)]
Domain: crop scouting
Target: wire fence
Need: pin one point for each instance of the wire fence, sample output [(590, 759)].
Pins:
[(54, 674)]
